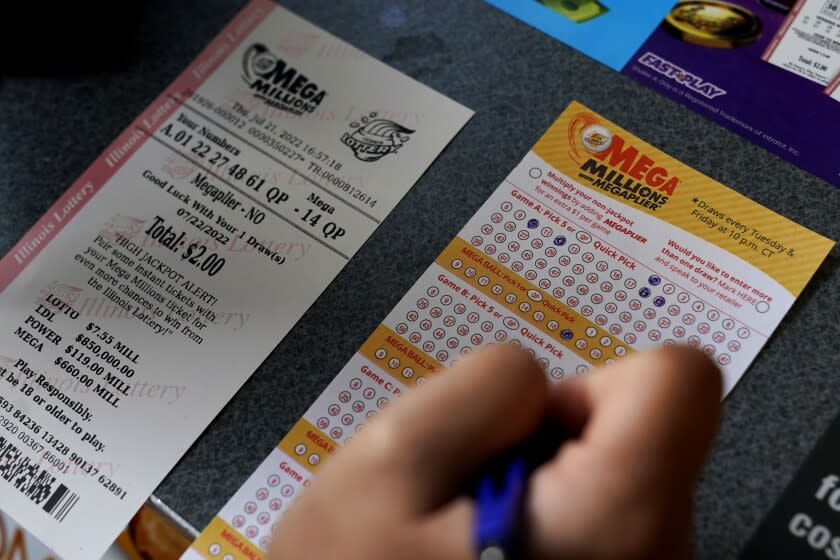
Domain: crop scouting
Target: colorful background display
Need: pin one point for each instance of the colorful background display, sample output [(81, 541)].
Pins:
[(609, 32), (787, 114), (780, 111)]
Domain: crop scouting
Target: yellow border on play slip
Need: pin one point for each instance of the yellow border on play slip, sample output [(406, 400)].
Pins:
[(779, 247)]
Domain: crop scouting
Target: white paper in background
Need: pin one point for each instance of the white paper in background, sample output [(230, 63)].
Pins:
[(136, 307), (808, 42)]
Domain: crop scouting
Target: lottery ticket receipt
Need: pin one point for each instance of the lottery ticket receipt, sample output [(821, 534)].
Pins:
[(136, 307)]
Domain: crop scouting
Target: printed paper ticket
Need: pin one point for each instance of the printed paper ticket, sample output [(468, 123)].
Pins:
[(595, 246), (808, 42), (145, 297)]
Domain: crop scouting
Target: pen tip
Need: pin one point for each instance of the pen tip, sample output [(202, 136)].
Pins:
[(492, 553)]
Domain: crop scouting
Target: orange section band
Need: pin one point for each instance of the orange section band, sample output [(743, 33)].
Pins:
[(519, 296), (398, 357), (308, 445), (219, 539)]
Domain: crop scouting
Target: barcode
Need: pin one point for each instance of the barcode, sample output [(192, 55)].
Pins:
[(61, 503), (34, 482)]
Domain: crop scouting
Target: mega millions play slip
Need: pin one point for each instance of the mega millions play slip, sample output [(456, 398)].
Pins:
[(595, 246), (145, 297)]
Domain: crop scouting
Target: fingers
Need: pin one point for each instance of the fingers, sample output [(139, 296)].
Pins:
[(449, 531), (426, 446), (650, 419), (621, 489), (656, 411)]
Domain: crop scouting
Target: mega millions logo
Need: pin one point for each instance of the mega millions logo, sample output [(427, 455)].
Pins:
[(278, 84), (609, 162), (375, 138)]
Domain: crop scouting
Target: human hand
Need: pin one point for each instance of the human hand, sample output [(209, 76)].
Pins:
[(622, 489)]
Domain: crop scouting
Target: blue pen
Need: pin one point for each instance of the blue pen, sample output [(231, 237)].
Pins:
[(500, 496), (499, 502)]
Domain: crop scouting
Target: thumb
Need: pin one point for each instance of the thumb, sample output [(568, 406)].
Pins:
[(431, 442)]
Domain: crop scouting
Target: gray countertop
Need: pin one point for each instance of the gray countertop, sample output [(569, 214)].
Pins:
[(518, 81)]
